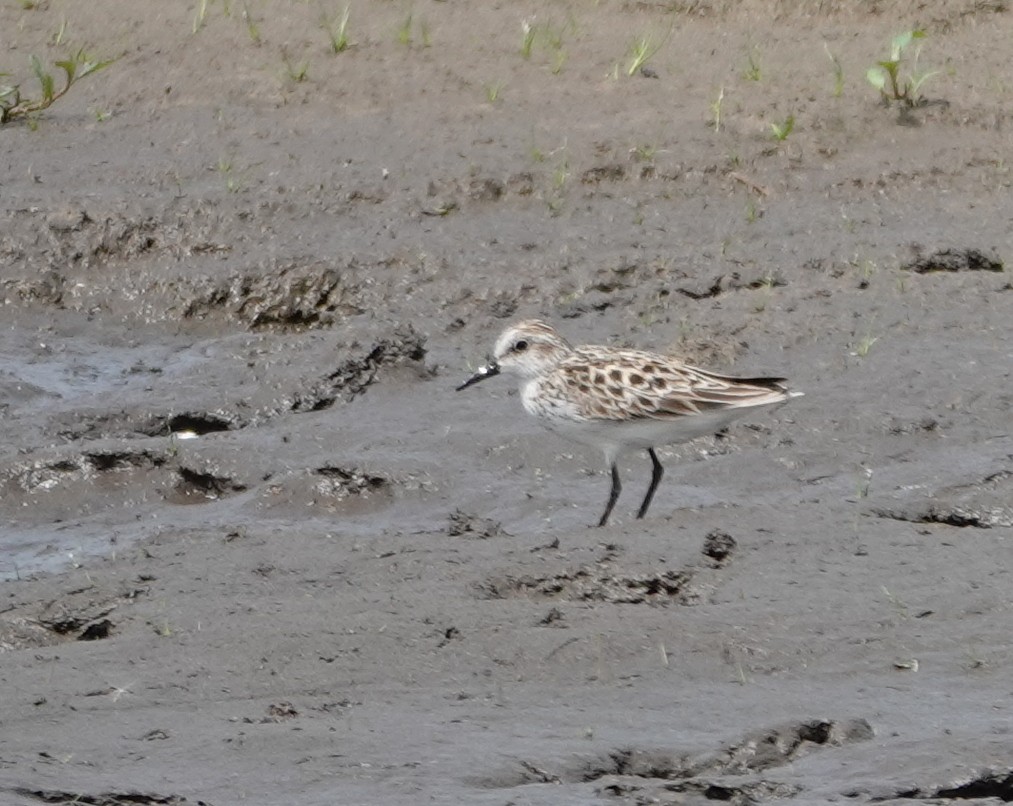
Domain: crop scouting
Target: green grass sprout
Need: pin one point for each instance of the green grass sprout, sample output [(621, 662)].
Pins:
[(337, 31), (780, 131), (642, 50), (885, 76), (14, 105), (297, 71), (752, 71), (528, 34), (716, 109), (252, 28), (493, 90), (838, 72)]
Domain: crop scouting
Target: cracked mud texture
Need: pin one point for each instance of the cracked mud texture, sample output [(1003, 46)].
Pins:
[(255, 549)]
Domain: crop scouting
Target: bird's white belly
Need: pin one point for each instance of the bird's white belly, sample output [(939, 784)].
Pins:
[(614, 437)]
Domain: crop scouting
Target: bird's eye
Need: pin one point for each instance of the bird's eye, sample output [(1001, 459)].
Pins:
[(520, 346)]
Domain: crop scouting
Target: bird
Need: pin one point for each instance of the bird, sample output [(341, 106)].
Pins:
[(619, 400)]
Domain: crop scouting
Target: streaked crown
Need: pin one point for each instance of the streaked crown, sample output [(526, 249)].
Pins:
[(530, 348)]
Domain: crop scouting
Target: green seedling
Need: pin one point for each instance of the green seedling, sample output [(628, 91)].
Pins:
[(641, 51), (404, 31), (864, 345), (14, 105), (561, 174), (885, 76), (866, 271), (60, 36), (528, 34), (337, 31), (201, 14), (752, 71), (252, 28), (558, 60), (493, 90), (716, 109), (838, 72), (780, 131), (233, 184), (548, 36), (767, 285), (298, 71), (644, 153)]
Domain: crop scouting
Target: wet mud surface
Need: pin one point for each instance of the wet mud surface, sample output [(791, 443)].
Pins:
[(256, 549)]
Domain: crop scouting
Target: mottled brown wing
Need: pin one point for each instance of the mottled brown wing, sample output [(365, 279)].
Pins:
[(629, 384)]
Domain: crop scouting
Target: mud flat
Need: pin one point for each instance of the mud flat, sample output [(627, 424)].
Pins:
[(256, 549)]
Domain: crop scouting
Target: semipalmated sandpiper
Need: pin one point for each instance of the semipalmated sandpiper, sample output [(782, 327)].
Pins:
[(619, 400)]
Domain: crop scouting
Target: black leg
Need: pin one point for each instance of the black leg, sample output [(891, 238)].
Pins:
[(656, 473), (613, 495)]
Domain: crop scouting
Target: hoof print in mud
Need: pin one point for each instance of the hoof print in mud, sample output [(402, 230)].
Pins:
[(43, 474), (197, 422), (196, 487), (595, 585), (614, 172), (468, 525), (952, 260), (719, 546), (339, 482), (96, 631)]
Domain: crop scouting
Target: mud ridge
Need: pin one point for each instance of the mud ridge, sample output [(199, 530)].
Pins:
[(46, 474), (289, 297), (744, 794), (757, 752), (597, 585), (81, 615), (961, 516), (105, 798), (355, 375), (952, 260), (997, 785)]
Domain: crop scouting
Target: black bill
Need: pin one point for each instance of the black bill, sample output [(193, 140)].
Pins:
[(488, 371)]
